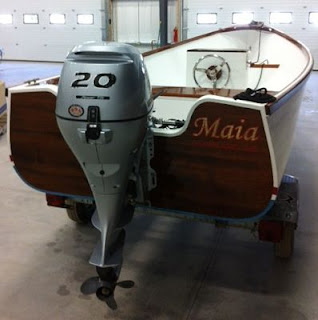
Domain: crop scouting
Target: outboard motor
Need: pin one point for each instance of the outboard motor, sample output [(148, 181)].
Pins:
[(103, 102)]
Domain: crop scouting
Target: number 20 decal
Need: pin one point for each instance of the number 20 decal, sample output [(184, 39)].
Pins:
[(99, 80)]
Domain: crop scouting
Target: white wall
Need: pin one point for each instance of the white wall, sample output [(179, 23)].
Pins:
[(45, 41), (134, 21), (299, 29)]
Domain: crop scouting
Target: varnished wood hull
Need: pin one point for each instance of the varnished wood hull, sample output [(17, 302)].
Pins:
[(199, 172), (41, 156), (214, 168), (226, 162)]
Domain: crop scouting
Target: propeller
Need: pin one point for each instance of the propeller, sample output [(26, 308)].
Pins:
[(107, 294), (104, 289)]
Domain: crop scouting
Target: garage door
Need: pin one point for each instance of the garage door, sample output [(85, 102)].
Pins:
[(35, 30)]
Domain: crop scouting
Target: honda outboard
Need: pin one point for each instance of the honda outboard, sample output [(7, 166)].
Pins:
[(103, 103)]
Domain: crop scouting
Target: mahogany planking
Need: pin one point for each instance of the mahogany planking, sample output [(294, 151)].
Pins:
[(265, 66), (223, 177), (192, 92), (39, 152), (228, 178)]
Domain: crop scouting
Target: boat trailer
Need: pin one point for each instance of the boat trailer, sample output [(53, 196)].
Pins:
[(277, 226)]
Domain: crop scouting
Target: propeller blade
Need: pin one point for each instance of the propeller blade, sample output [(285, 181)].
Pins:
[(127, 284), (90, 286), (110, 301)]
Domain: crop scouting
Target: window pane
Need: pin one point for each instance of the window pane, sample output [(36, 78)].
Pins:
[(57, 18), (206, 18), (85, 19), (280, 17), (6, 18), (30, 18), (313, 17), (242, 17)]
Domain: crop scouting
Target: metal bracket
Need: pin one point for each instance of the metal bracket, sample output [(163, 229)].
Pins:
[(286, 206), (32, 82), (149, 154), (106, 136)]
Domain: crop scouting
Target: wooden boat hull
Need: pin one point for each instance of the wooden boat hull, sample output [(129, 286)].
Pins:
[(41, 157), (226, 162), (220, 166)]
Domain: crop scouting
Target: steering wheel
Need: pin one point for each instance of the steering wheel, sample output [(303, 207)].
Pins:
[(211, 69)]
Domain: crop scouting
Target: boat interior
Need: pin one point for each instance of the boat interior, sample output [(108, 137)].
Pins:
[(218, 66), (232, 59), (241, 59)]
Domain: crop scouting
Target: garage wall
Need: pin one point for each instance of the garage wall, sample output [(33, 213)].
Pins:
[(299, 29), (134, 21), (45, 41)]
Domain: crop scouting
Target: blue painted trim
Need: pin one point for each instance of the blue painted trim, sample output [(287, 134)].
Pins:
[(51, 192), (3, 108), (203, 217), (66, 195)]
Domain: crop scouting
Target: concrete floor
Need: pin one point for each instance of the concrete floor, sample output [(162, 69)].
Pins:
[(182, 270)]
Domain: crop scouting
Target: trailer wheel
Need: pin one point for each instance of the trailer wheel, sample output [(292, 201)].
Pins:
[(79, 212), (285, 248)]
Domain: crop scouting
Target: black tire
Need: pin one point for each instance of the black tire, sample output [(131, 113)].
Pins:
[(285, 248), (79, 212)]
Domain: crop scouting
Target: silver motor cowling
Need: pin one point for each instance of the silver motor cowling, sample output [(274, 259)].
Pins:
[(103, 102)]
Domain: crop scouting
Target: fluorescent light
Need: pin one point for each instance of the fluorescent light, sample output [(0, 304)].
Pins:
[(313, 17), (30, 19), (206, 18), (6, 19), (242, 17), (280, 17), (57, 18)]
